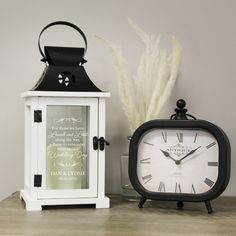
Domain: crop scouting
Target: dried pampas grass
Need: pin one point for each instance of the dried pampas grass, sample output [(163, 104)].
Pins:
[(144, 94)]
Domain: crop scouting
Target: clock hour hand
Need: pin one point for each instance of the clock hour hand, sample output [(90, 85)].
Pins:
[(190, 153), (167, 154)]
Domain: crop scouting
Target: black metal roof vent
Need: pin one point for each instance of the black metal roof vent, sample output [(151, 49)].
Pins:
[(65, 71)]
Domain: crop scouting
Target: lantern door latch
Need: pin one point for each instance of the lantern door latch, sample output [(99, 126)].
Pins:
[(101, 142), (37, 116)]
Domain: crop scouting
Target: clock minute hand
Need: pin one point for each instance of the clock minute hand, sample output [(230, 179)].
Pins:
[(190, 153), (167, 154)]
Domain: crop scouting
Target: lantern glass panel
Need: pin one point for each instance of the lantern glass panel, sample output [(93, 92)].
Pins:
[(67, 145)]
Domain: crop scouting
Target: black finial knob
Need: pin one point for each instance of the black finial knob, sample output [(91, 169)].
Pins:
[(180, 111), (180, 103)]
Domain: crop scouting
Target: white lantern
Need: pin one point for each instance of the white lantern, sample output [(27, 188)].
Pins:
[(64, 138)]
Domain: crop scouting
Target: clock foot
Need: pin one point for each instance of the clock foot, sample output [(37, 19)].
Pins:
[(208, 207), (142, 201), (180, 204)]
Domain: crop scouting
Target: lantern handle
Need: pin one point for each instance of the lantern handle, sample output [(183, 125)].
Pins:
[(61, 23)]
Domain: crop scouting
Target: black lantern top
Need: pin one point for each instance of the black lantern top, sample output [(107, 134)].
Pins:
[(65, 71)]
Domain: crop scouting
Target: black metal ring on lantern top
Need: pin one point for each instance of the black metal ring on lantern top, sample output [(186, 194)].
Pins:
[(61, 23)]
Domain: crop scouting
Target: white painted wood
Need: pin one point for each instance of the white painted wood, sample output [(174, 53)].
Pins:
[(103, 202), (27, 101), (32, 205), (101, 160), (35, 151), (64, 94), (27, 146), (100, 202)]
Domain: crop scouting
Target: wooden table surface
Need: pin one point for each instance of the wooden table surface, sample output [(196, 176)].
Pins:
[(123, 218)]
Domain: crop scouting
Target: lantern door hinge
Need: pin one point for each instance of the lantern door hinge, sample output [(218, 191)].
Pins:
[(37, 116), (37, 180)]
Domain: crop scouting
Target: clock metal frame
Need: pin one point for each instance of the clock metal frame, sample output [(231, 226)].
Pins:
[(224, 160)]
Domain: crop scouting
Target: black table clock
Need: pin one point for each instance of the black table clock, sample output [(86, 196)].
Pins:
[(181, 159)]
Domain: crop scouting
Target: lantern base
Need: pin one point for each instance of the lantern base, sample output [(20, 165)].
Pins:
[(30, 204), (36, 204)]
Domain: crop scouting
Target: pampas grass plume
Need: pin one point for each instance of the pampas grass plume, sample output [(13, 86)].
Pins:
[(144, 95)]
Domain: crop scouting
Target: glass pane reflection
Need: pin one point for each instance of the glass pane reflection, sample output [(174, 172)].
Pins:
[(67, 143)]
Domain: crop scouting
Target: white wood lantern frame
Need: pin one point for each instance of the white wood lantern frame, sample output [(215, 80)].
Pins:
[(35, 151)]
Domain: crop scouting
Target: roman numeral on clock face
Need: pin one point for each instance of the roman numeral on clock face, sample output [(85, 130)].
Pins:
[(209, 182), (212, 163), (177, 188), (195, 138), (164, 136), (211, 145), (193, 189), (180, 137), (151, 144), (147, 178), (161, 187), (145, 161)]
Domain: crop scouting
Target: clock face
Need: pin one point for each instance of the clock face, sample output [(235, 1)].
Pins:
[(177, 160)]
